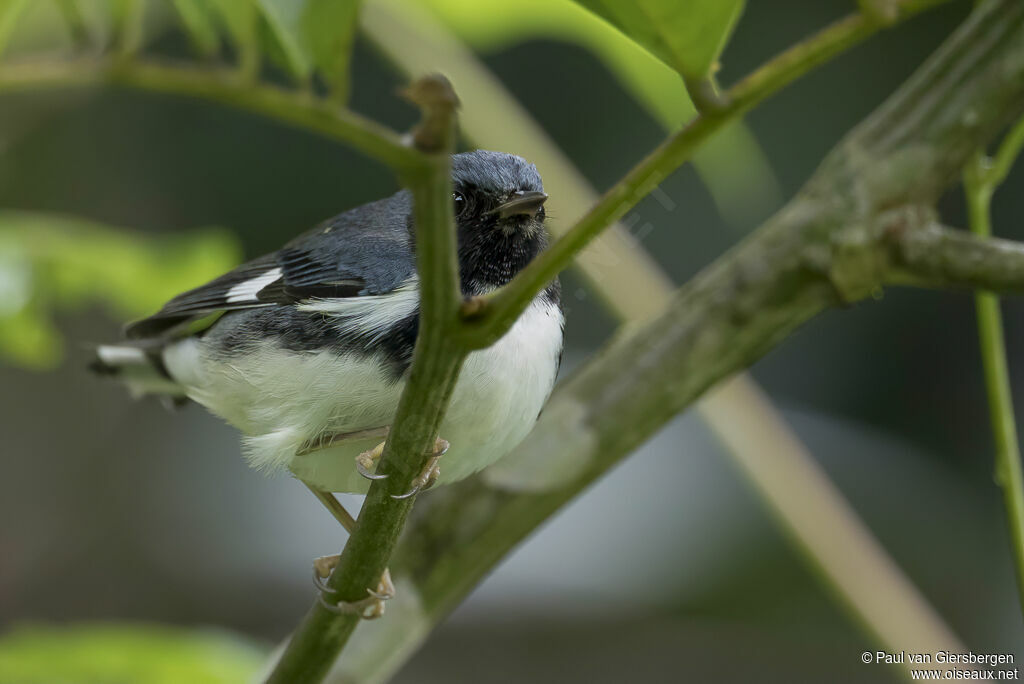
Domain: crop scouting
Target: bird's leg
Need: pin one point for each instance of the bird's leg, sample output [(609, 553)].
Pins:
[(368, 608), (430, 473)]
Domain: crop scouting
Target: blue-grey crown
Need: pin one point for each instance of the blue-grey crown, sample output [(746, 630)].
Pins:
[(495, 172)]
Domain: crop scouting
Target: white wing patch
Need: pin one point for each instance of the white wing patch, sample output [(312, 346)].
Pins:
[(376, 313), (247, 290)]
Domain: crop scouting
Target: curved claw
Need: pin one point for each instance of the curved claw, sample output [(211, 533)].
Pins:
[(412, 492), (369, 608), (431, 472), (321, 584), (369, 459), (367, 473), (322, 569)]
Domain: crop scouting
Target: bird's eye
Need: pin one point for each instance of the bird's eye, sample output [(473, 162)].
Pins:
[(463, 204)]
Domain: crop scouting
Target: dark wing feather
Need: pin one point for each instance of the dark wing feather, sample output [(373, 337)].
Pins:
[(364, 251)]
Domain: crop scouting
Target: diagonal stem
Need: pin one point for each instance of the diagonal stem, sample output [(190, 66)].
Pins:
[(492, 317)]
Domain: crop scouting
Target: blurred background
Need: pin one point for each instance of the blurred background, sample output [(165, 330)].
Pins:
[(119, 510)]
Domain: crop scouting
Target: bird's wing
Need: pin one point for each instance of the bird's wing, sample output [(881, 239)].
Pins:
[(339, 259)]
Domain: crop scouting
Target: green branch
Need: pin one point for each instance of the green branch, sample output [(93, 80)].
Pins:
[(494, 314), (435, 367), (981, 178), (943, 258), (223, 86)]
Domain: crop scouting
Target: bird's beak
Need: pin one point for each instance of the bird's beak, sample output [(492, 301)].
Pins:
[(522, 203)]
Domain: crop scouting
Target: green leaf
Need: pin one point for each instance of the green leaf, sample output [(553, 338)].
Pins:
[(143, 654), (240, 18), (329, 27), (688, 35), (75, 21), (127, 25), (199, 23), (283, 21), (10, 10)]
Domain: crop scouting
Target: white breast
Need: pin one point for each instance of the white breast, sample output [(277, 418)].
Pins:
[(282, 399), (501, 390)]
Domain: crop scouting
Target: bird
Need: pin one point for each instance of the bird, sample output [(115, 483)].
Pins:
[(306, 350)]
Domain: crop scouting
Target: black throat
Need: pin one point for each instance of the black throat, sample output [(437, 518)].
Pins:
[(489, 259)]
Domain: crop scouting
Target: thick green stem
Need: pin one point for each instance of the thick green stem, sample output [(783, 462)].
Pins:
[(410, 444), (980, 183)]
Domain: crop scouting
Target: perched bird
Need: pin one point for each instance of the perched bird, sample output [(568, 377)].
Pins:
[(306, 350)]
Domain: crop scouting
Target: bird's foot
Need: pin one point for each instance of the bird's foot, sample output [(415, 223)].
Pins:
[(430, 473), (366, 463), (369, 608)]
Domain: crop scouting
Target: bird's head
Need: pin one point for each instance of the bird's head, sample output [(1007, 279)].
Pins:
[(499, 209)]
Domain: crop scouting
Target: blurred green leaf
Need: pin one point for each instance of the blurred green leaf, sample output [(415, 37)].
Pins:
[(29, 339), (110, 653), (199, 22), (328, 26), (126, 24), (10, 10), (494, 24), (688, 35), (75, 21), (239, 17), (120, 10), (53, 263), (283, 21)]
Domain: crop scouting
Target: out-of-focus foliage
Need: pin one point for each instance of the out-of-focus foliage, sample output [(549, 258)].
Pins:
[(493, 25), (141, 654), (329, 27), (239, 17), (9, 12), (283, 18), (299, 35), (732, 166), (688, 36), (52, 263), (199, 21)]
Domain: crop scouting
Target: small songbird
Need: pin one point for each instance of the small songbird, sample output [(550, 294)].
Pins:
[(306, 350)]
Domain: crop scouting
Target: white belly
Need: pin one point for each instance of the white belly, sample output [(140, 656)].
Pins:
[(283, 399)]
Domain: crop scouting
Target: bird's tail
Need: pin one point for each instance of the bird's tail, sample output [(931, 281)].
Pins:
[(140, 367)]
